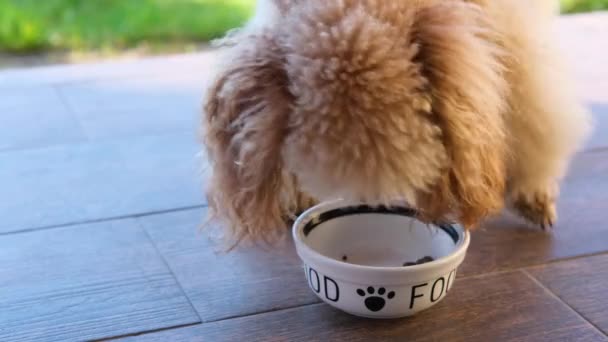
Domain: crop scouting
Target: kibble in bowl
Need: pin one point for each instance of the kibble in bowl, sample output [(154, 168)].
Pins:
[(377, 262)]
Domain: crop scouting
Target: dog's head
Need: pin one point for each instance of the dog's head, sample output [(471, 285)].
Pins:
[(367, 100), (396, 101)]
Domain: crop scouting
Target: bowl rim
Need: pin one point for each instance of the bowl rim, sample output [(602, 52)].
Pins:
[(307, 252)]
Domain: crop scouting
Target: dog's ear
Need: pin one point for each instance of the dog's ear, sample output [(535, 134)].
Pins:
[(245, 120), (461, 57)]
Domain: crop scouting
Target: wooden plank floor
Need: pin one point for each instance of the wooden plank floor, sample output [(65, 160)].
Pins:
[(508, 306), (101, 204)]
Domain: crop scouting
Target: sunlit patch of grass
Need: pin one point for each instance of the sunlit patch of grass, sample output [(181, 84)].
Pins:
[(29, 25), (576, 6)]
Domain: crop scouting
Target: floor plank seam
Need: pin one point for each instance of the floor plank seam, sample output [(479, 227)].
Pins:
[(488, 274), (91, 79), (203, 322), (287, 308), (82, 81), (145, 332), (558, 298), (105, 219), (69, 108), (565, 259), (525, 267), (162, 257)]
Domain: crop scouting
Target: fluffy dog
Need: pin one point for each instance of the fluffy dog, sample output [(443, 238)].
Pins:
[(457, 107)]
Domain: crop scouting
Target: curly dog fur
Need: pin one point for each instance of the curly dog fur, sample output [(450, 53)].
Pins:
[(457, 107)]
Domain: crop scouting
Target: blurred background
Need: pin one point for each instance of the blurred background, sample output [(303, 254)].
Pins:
[(34, 32), (50, 31)]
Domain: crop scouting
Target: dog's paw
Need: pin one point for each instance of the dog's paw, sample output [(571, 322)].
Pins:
[(536, 206)]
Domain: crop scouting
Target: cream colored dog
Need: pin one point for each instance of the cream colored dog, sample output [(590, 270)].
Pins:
[(456, 107)]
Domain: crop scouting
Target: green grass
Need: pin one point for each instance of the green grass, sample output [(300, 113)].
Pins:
[(577, 6), (34, 25), (84, 25)]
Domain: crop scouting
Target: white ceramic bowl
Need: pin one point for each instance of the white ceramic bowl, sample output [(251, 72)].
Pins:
[(353, 258)]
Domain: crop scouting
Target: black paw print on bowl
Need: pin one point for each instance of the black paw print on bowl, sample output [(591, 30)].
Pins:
[(375, 302)]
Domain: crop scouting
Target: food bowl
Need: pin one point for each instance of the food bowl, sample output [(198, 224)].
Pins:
[(354, 257)]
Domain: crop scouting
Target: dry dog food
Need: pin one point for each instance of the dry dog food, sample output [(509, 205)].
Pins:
[(419, 261)]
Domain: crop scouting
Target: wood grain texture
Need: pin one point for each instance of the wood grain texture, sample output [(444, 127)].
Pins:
[(506, 307), (582, 284), (97, 180), (36, 117), (174, 65), (136, 106), (582, 228), (599, 137), (86, 282), (220, 285)]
